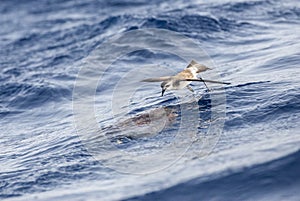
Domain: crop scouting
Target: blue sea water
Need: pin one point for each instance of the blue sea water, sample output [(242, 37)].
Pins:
[(253, 44)]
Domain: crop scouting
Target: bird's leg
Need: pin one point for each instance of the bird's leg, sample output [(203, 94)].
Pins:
[(195, 96), (204, 84), (190, 88)]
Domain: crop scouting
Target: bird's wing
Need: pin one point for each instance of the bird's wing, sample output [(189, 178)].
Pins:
[(156, 79), (202, 80), (198, 67), (192, 63)]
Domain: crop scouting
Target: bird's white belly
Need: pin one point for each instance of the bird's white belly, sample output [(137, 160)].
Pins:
[(182, 84)]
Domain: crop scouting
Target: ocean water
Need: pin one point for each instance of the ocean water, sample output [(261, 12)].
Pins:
[(247, 148)]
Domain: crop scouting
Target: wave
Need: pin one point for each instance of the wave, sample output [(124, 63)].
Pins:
[(260, 99), (244, 6), (193, 23), (22, 96), (261, 181), (30, 176)]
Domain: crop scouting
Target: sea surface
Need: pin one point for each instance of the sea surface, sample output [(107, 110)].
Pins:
[(48, 151)]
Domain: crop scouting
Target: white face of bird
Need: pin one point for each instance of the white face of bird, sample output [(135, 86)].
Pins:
[(165, 85)]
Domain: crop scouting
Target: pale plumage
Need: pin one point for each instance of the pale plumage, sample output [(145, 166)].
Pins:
[(183, 79)]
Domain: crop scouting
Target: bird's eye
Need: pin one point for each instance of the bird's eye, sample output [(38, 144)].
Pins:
[(167, 85)]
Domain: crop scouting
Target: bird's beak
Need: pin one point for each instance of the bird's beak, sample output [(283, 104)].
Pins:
[(162, 92)]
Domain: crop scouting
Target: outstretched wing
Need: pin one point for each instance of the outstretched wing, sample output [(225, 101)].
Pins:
[(202, 80), (157, 79)]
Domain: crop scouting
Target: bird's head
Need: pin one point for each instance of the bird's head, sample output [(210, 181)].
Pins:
[(165, 85)]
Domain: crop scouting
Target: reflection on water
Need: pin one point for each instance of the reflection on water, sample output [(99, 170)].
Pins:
[(146, 124)]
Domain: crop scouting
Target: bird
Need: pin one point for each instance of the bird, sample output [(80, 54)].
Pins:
[(184, 78)]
